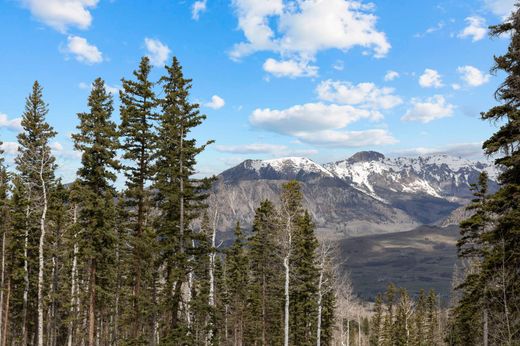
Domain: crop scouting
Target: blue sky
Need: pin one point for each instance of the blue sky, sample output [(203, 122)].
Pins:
[(316, 78)]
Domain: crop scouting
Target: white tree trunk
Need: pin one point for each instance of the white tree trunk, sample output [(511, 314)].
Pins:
[(41, 254), (286, 315), (320, 298), (212, 254), (2, 288), (26, 272), (73, 284), (359, 329)]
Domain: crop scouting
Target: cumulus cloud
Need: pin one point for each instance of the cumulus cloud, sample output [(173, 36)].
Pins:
[(300, 29), (501, 8), (348, 139), (158, 52), (10, 148), (428, 110), (309, 117), (290, 68), (430, 79), (472, 76), (321, 124), (476, 28), (216, 102), (83, 51), (391, 75), (366, 95), (198, 8), (10, 124), (61, 14)]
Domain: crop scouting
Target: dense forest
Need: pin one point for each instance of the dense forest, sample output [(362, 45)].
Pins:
[(82, 263)]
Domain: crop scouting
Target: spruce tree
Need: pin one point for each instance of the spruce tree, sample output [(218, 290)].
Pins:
[(494, 231), (180, 197), (305, 283), (266, 282), (236, 283), (97, 141), (36, 165), (4, 234), (137, 111), (376, 325)]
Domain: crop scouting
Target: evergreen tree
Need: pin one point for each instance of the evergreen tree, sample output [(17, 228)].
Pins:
[(493, 233), (376, 327), (305, 281), (97, 141), (4, 232), (180, 197), (138, 103), (36, 165), (236, 283), (266, 282)]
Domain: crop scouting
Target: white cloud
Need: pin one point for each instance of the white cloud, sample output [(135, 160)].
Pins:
[(366, 95), (297, 30), (428, 110), (10, 124), (158, 52), (216, 102), (198, 8), (60, 14), (254, 148), (290, 68), (476, 28), (309, 117), (83, 51), (10, 148), (472, 76), (430, 79), (455, 86), (501, 8), (348, 139), (431, 30), (391, 75), (339, 65)]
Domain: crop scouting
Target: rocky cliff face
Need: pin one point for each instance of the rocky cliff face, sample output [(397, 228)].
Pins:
[(366, 193)]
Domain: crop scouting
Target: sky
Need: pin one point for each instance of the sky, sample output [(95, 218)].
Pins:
[(317, 78)]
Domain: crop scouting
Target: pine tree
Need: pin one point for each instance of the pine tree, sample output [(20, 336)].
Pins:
[(4, 230), (180, 197), (97, 141), (265, 283), (376, 326), (236, 283), (304, 289), (490, 300), (138, 103), (35, 163)]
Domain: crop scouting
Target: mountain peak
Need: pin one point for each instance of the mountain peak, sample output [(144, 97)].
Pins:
[(366, 156)]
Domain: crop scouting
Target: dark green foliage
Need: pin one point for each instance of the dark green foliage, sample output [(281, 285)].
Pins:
[(265, 296), (489, 308)]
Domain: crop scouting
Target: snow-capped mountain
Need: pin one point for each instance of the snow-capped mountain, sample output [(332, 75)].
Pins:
[(366, 193), (440, 176)]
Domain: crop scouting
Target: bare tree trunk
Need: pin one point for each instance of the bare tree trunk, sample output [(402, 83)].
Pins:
[(485, 332), (5, 326), (91, 307), (211, 297), (26, 272), (286, 312), (41, 253), (359, 328), (73, 307), (320, 298), (2, 288), (504, 295)]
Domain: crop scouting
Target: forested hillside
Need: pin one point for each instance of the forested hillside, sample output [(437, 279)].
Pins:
[(83, 263)]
